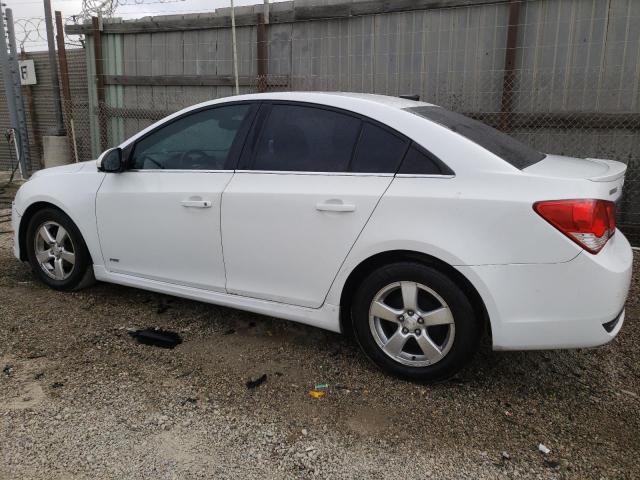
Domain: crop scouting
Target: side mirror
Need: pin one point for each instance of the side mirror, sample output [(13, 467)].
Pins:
[(111, 161)]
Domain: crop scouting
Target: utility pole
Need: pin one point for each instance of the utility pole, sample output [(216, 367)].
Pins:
[(235, 50), (55, 83), (13, 93), (266, 11)]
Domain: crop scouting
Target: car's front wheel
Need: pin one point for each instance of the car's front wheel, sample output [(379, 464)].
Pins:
[(415, 322), (56, 250)]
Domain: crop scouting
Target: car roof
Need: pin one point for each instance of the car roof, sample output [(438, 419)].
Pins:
[(331, 98), (383, 108)]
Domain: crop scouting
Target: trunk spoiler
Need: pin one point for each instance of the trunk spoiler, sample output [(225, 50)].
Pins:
[(615, 170)]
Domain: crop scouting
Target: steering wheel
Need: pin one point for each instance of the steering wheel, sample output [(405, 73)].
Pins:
[(189, 160), (149, 158)]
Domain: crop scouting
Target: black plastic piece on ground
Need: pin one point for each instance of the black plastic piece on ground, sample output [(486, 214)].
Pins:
[(257, 382), (157, 338)]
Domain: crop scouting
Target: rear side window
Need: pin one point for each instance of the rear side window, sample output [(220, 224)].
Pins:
[(420, 162), (379, 151), (509, 149), (306, 139)]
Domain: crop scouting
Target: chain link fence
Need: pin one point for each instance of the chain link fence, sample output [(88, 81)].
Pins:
[(563, 77)]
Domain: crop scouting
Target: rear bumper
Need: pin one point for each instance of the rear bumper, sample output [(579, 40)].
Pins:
[(561, 305), (15, 226)]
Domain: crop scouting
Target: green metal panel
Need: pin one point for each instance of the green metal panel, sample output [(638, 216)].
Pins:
[(92, 90), (114, 94)]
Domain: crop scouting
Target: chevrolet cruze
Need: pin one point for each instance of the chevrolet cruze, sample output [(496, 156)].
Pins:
[(415, 228)]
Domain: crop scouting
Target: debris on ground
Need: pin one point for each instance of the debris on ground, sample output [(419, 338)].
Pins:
[(157, 338), (251, 384), (317, 393), (321, 386), (163, 305), (57, 384), (551, 463), (543, 449), (7, 370), (506, 455)]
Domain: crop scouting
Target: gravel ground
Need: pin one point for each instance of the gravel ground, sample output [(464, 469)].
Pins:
[(80, 399)]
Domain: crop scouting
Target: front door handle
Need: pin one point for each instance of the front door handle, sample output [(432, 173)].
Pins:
[(335, 206), (196, 203)]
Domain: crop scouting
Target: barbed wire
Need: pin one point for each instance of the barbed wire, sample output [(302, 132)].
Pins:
[(106, 8), (33, 30), (30, 31)]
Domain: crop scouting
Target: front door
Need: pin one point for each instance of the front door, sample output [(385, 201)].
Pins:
[(160, 219)]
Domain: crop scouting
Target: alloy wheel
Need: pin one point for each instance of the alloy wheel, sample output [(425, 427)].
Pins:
[(54, 250), (411, 323)]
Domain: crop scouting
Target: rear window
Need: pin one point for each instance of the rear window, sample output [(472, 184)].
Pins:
[(509, 149)]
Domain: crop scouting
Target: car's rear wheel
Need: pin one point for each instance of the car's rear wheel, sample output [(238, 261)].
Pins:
[(415, 322), (57, 252)]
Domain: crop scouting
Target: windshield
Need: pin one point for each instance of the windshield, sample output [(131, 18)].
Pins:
[(508, 148)]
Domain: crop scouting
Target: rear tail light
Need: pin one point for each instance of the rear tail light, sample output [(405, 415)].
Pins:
[(589, 223)]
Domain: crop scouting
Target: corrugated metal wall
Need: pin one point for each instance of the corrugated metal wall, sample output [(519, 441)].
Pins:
[(43, 102), (574, 87)]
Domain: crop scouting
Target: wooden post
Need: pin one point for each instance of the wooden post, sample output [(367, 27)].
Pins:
[(33, 114), (509, 65), (67, 107), (99, 67), (263, 54)]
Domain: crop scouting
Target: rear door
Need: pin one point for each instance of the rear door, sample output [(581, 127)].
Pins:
[(308, 182)]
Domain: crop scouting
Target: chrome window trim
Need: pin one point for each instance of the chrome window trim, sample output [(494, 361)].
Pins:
[(333, 174), (288, 172), (169, 170), (420, 175)]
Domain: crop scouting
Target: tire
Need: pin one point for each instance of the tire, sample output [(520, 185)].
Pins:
[(61, 260), (427, 343)]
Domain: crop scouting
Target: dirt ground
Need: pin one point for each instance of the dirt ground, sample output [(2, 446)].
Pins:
[(79, 398)]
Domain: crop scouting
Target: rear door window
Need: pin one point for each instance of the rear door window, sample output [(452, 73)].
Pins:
[(306, 139), (379, 151), (508, 148)]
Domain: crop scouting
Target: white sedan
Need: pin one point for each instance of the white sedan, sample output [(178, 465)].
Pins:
[(415, 228)]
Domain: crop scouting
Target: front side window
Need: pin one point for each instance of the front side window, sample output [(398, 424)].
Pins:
[(508, 148), (199, 141), (306, 139)]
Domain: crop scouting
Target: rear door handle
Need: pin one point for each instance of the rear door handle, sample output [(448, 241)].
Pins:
[(335, 206), (196, 203)]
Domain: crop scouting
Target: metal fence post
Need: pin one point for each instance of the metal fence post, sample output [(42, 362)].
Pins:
[(33, 117), (99, 70), (263, 52), (509, 76), (66, 88), (11, 76), (55, 83), (235, 50)]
